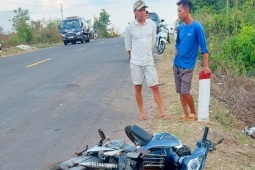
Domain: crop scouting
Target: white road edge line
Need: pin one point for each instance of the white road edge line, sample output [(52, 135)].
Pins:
[(40, 62), (80, 49)]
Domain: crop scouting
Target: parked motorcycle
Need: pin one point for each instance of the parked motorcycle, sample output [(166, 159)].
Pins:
[(159, 151), (162, 37)]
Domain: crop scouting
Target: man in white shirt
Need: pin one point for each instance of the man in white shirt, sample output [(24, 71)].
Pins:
[(140, 38)]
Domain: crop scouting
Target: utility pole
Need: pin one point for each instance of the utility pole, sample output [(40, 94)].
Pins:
[(61, 12)]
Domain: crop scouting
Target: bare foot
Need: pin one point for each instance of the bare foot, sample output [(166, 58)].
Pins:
[(164, 116), (142, 117)]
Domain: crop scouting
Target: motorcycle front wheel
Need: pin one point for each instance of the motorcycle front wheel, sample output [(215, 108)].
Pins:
[(161, 47)]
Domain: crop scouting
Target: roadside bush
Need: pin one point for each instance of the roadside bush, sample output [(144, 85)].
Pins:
[(240, 50), (46, 34), (14, 40), (3, 38)]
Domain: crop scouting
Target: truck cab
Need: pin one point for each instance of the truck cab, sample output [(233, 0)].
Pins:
[(74, 29)]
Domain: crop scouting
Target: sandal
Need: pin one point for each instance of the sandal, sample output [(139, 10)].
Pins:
[(183, 117), (192, 117), (164, 116), (142, 117)]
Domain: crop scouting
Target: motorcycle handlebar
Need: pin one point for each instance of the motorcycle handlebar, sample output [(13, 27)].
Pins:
[(101, 134), (205, 134)]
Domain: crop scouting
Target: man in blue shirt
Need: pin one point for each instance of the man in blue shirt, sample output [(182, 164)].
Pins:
[(190, 35)]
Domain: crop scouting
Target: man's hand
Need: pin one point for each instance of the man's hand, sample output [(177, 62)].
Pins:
[(129, 55), (207, 70)]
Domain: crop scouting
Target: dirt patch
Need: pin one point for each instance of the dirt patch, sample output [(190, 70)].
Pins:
[(237, 150)]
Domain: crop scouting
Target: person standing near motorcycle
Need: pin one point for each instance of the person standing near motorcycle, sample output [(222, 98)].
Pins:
[(190, 36), (140, 38)]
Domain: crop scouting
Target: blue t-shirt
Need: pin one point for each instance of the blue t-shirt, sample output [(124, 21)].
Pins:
[(189, 38)]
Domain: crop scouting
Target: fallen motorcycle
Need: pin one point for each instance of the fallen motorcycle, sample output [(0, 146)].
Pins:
[(159, 151)]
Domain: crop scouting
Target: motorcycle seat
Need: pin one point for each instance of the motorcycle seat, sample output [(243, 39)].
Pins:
[(138, 135)]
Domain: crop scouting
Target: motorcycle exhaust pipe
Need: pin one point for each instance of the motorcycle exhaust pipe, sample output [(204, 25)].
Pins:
[(99, 165)]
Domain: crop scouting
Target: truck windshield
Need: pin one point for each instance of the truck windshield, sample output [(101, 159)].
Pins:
[(74, 23)]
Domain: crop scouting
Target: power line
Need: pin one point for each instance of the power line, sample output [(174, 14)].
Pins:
[(61, 12)]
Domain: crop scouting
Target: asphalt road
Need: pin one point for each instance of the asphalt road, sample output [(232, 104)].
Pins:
[(53, 101)]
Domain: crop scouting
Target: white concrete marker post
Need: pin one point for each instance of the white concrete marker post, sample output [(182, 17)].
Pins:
[(204, 96)]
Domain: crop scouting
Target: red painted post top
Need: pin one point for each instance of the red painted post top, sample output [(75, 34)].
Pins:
[(202, 75)]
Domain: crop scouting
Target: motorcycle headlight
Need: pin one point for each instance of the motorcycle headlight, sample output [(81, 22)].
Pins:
[(194, 164)]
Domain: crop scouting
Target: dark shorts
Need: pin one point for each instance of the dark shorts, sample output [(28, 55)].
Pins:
[(183, 79)]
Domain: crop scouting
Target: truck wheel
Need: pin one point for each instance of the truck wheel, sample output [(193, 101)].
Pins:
[(65, 43)]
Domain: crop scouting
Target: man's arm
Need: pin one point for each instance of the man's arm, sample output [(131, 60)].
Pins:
[(204, 49), (154, 34), (128, 42), (129, 55), (206, 68)]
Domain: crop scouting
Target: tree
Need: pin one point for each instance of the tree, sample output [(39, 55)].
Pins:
[(24, 31), (102, 23), (217, 5)]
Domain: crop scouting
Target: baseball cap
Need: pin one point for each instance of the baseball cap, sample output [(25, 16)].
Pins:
[(139, 4)]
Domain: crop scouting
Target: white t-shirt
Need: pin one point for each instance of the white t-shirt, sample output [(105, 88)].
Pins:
[(140, 39)]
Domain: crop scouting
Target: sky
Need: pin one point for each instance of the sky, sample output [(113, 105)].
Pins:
[(120, 11)]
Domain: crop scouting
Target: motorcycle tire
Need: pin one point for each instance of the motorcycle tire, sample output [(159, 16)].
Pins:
[(161, 47)]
